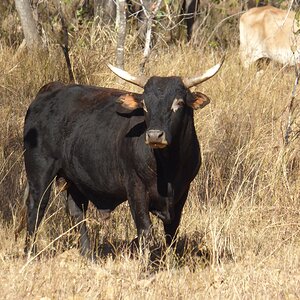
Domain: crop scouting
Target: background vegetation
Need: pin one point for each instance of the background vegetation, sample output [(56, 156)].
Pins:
[(240, 231)]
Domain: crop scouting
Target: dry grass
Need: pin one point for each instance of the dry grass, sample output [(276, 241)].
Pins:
[(240, 231)]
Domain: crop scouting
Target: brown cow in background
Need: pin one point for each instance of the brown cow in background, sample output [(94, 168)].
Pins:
[(269, 32)]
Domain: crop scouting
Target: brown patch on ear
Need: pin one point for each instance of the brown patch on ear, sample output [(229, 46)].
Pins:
[(128, 101), (200, 100)]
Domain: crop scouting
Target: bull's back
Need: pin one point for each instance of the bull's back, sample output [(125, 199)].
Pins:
[(59, 110), (57, 104)]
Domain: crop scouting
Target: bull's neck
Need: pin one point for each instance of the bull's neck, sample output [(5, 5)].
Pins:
[(169, 158)]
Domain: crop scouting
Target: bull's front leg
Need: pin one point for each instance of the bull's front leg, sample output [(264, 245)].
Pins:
[(139, 207), (171, 228)]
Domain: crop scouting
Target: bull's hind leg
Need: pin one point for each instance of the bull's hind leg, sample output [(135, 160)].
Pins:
[(40, 174), (77, 206)]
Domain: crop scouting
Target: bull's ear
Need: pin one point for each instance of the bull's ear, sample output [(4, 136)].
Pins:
[(129, 101), (198, 100)]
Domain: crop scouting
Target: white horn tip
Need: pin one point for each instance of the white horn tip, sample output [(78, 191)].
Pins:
[(113, 68), (137, 80)]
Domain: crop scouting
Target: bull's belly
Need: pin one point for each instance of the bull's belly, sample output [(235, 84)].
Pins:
[(103, 199), (105, 192)]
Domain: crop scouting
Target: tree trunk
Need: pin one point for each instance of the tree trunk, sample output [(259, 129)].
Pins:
[(190, 8), (64, 41), (121, 28), (104, 11), (32, 38), (150, 11)]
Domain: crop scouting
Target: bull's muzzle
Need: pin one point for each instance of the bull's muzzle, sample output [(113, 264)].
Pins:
[(156, 139)]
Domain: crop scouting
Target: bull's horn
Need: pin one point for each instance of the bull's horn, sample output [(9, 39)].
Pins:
[(137, 80), (192, 81)]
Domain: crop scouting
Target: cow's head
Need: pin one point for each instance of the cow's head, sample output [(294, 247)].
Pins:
[(165, 101)]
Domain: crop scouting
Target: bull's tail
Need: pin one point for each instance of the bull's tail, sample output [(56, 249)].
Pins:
[(23, 212)]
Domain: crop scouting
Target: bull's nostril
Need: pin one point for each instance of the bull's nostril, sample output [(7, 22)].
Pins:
[(160, 134)]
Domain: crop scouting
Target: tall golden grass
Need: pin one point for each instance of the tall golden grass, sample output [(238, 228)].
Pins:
[(240, 231)]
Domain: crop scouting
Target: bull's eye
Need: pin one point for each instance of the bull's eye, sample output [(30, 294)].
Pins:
[(177, 103), (144, 106)]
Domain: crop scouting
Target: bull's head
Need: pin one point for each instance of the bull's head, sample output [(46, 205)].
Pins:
[(165, 101)]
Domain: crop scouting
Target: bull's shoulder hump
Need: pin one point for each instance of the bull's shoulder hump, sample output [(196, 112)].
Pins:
[(79, 95), (50, 87), (97, 90), (57, 85), (94, 94), (87, 97)]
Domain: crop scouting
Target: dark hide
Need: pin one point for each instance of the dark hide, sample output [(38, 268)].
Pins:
[(89, 137)]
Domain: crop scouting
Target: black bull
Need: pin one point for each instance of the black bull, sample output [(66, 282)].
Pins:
[(111, 146)]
